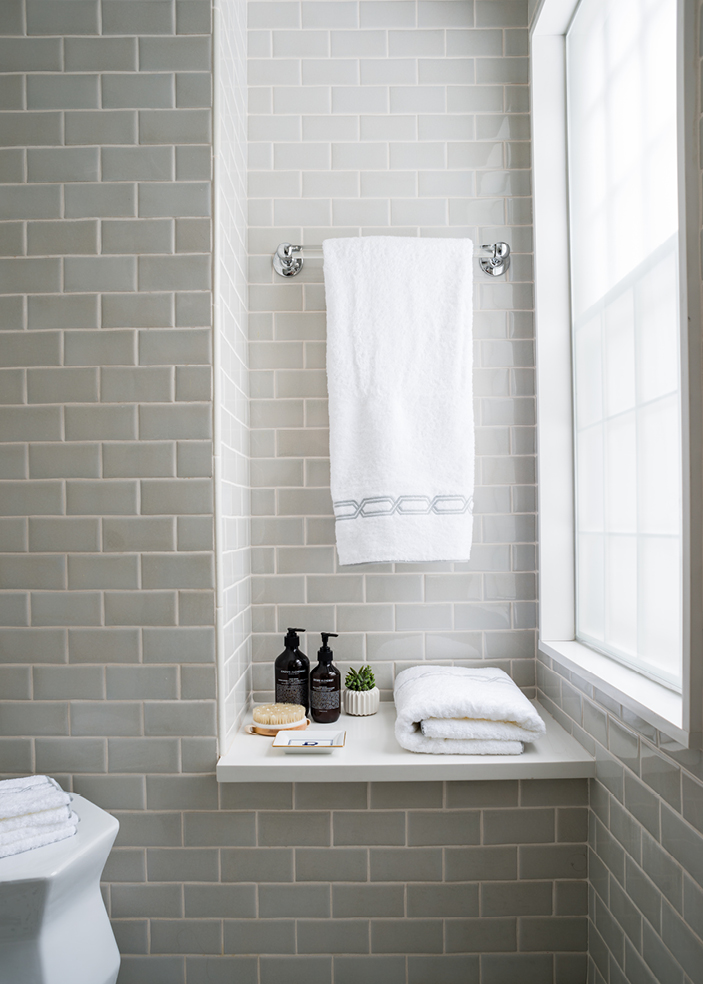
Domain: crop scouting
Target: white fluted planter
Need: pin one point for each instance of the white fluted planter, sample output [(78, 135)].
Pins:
[(362, 703)]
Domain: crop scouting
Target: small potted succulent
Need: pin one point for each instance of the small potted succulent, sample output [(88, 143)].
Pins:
[(362, 696)]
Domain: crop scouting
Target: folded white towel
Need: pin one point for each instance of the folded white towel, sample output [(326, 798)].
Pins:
[(44, 818), (34, 812), (474, 730), (26, 782), (399, 358), (17, 800), (486, 711), (28, 833), (41, 839)]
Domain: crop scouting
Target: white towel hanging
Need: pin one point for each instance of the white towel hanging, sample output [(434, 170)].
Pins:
[(399, 361)]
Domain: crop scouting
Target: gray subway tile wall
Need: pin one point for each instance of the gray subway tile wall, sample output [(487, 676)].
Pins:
[(645, 837), (401, 117), (391, 118)]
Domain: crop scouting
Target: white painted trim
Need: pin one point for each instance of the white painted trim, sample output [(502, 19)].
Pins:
[(553, 340), (659, 706), (553, 17), (651, 701)]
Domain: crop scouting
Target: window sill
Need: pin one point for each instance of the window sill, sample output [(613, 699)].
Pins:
[(654, 703), (372, 754)]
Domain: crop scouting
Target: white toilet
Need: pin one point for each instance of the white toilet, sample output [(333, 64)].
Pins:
[(53, 925)]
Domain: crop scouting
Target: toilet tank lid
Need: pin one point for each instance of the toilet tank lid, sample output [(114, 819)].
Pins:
[(96, 829)]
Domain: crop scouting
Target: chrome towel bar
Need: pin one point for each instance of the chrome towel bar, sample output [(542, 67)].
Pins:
[(287, 261)]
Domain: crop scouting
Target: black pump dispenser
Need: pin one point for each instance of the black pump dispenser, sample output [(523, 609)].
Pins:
[(324, 653), (292, 673), (292, 639), (325, 685)]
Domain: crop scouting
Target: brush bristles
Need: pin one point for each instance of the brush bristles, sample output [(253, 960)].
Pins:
[(278, 713)]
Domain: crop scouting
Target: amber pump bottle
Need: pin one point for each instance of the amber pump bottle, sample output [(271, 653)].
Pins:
[(325, 686), (292, 673)]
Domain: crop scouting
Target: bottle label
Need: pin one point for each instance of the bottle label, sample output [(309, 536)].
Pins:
[(292, 691), (324, 700)]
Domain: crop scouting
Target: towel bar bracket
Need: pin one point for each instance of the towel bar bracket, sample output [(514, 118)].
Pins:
[(287, 261), (498, 262)]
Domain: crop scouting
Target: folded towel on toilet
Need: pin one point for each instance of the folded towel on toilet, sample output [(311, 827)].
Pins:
[(31, 795), (33, 840), (449, 710), (42, 819), (46, 831), (34, 812)]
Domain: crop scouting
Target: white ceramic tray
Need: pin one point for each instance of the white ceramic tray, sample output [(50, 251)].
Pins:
[(309, 742)]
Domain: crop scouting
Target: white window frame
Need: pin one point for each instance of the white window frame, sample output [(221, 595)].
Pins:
[(676, 715)]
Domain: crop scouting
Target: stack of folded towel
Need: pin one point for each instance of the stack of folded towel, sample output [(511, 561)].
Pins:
[(33, 812), (448, 710)]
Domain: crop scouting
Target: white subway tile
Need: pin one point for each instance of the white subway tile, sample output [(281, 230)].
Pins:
[(475, 98), (478, 155), (433, 184), (360, 99), (502, 70), (517, 155), (419, 212), (502, 13), (359, 44), (301, 212), (330, 13), (517, 99), (446, 71), (301, 156), (386, 71), (272, 128), (519, 211), (516, 42), (260, 99), (273, 71), (330, 184), (446, 13), (330, 128), (402, 128), (301, 100), (418, 99), (301, 44), (360, 212), (474, 42), (416, 156), (503, 183), (260, 156), (259, 44), (260, 212), (388, 184), (387, 13), (485, 211), (403, 44), (268, 14), (330, 71), (363, 156), (274, 184)]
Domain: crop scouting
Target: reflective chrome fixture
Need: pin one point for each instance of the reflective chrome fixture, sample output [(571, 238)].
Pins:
[(287, 261)]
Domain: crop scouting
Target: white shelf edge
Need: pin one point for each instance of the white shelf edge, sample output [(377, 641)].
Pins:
[(373, 755)]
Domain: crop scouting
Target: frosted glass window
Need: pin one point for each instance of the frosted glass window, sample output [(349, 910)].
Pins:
[(623, 187)]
